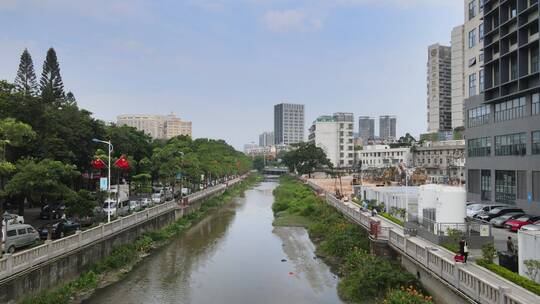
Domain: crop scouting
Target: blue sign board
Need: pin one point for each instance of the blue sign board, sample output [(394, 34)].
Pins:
[(529, 197), (178, 175), (103, 185)]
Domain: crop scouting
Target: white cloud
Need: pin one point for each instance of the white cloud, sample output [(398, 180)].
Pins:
[(290, 20)]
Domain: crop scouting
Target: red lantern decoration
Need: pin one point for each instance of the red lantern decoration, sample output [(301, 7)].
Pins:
[(122, 162), (98, 164)]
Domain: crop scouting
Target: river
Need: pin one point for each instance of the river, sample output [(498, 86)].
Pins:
[(234, 255)]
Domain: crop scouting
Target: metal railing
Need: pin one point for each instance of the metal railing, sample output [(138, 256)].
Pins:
[(479, 285), (11, 264)]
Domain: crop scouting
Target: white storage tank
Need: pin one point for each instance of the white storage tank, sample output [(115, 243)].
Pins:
[(427, 198), (451, 205)]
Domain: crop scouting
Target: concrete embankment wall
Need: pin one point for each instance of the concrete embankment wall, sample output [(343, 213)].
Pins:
[(64, 268)]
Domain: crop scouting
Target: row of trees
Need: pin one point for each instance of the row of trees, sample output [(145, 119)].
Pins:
[(305, 158), (46, 146)]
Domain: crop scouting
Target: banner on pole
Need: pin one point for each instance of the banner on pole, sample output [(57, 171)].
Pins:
[(103, 184)]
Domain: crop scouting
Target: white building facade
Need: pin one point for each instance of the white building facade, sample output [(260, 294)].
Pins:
[(382, 156), (334, 134), (156, 126)]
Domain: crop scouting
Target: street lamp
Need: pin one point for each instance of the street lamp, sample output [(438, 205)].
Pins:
[(108, 176)]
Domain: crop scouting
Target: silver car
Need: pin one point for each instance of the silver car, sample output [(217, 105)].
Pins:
[(19, 235), (499, 221), (532, 227)]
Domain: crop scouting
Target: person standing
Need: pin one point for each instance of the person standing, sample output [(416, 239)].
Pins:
[(465, 252), (510, 246)]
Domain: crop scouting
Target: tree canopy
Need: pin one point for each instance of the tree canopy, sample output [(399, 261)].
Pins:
[(305, 158)]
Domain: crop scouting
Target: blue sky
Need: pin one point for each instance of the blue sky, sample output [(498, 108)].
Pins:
[(224, 63)]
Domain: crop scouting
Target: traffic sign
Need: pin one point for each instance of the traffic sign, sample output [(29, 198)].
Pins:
[(103, 184)]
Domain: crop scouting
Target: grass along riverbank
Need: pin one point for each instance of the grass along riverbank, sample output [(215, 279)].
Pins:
[(123, 258), (365, 278)]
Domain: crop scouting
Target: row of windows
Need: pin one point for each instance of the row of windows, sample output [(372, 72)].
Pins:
[(510, 109), (473, 8), (511, 144), (479, 147), (509, 185), (478, 116), (472, 35), (384, 154), (505, 145)]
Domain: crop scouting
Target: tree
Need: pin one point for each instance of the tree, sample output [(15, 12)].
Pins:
[(26, 82), (51, 85), (45, 181), (258, 163), (305, 158), (70, 99)]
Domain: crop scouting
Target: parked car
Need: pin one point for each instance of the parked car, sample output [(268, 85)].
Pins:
[(532, 227), (134, 206), (157, 198), (109, 207), (496, 212), (17, 236), (59, 229), (146, 202), (13, 218), (515, 224), (51, 212), (474, 210), (123, 208), (499, 221)]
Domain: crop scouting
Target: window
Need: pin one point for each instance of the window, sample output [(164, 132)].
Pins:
[(535, 142), (481, 80), (481, 5), (478, 116), (21, 231), (513, 11), (521, 189), (479, 147), (535, 104), (472, 84), (481, 32), (513, 68), (473, 181), (481, 57), (485, 185), (510, 109), (505, 187), (11, 233), (472, 38), (511, 144), (472, 9), (534, 60)]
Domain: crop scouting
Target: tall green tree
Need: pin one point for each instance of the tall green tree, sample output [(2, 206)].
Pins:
[(305, 158), (25, 81), (51, 85), (45, 181)]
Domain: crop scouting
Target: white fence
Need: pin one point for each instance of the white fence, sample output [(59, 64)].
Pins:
[(481, 286), (12, 264)]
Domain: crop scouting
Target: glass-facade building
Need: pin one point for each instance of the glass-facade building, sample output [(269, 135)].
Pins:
[(503, 124)]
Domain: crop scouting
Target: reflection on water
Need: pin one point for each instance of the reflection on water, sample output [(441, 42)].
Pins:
[(234, 255)]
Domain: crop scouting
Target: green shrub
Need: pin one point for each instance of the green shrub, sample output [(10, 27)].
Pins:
[(489, 253), (511, 276), (391, 218), (407, 295)]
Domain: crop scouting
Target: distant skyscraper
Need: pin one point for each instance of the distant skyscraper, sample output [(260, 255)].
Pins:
[(439, 102), (387, 127), (266, 139), (366, 128), (288, 123)]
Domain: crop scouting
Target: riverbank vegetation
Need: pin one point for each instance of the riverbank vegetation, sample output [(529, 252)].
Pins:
[(124, 257), (364, 277)]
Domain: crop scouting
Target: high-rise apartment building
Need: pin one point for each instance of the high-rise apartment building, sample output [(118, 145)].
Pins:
[(334, 134), (439, 113), (157, 126), (288, 123), (467, 59), (503, 124), (366, 128), (266, 139), (387, 127)]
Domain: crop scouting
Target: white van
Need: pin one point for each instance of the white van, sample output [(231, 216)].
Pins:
[(109, 206), (122, 209), (157, 198), (18, 235)]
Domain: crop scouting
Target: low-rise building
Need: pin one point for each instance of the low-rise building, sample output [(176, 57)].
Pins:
[(443, 161), (157, 126), (381, 156)]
